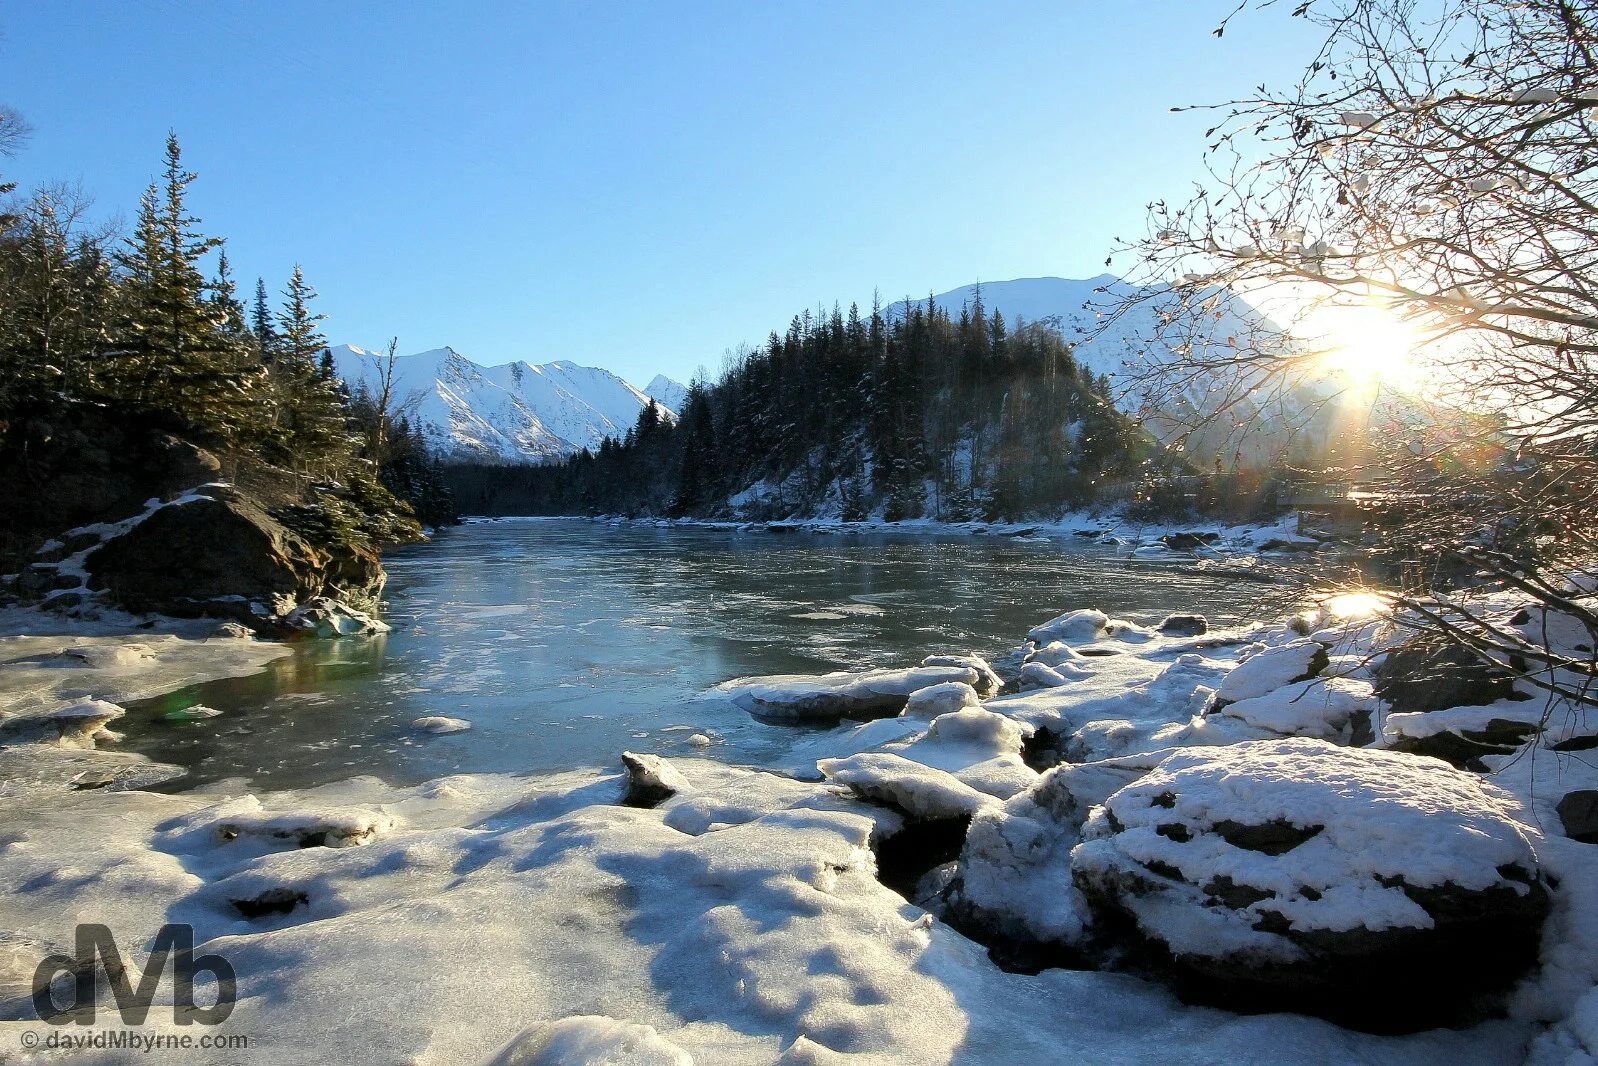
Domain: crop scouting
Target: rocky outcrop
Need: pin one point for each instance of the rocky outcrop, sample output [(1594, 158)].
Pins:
[(151, 528), (651, 780), (88, 468), (1430, 674), (1281, 874), (1578, 814), (212, 551)]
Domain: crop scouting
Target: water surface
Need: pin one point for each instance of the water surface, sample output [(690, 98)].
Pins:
[(565, 642)]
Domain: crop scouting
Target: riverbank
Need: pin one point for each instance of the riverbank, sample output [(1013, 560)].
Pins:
[(1107, 528), (752, 916)]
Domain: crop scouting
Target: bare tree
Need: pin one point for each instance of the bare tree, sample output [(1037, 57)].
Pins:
[(390, 407), (1437, 163), (14, 131)]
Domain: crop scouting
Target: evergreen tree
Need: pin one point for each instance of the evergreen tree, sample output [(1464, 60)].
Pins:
[(262, 324), (309, 397), (173, 357)]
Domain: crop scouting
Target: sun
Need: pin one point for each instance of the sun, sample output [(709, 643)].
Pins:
[(1366, 345)]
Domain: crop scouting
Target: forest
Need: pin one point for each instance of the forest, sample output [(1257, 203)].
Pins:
[(917, 411), (111, 336)]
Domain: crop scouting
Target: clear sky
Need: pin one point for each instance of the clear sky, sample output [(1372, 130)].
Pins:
[(630, 185)]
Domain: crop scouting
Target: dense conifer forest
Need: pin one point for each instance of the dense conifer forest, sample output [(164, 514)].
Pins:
[(912, 412), (144, 334)]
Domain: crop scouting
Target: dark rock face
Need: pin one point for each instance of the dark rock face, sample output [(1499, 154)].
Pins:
[(1188, 542), (223, 555), (651, 780), (98, 469), (1185, 625), (1578, 812), (1429, 675)]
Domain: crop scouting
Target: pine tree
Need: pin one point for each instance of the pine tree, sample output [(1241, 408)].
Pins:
[(311, 404), (267, 342), (173, 357), (226, 306)]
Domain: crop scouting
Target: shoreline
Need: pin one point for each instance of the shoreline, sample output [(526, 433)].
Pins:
[(747, 915)]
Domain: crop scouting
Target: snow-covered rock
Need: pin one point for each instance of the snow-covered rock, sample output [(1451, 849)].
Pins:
[(914, 788), (650, 779), (942, 698), (1077, 626), (988, 681), (1323, 707), (325, 616), (440, 725), (1268, 669), (1296, 869), (867, 693)]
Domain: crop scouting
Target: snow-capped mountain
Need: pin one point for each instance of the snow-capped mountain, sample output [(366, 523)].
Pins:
[(519, 412), (1117, 349), (1256, 427), (666, 392)]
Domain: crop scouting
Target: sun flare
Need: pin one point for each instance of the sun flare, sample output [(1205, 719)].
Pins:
[(1367, 345)]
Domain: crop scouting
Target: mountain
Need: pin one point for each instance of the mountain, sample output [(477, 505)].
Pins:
[(1119, 349), (519, 412), (668, 393), (1128, 350)]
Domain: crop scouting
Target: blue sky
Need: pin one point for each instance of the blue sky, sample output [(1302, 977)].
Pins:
[(636, 186)]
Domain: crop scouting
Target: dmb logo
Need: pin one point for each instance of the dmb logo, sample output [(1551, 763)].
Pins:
[(97, 952)]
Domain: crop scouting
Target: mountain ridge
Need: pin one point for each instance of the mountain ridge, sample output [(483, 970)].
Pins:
[(516, 412)]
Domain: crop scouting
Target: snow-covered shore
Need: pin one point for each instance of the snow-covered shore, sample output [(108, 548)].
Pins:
[(54, 668), (744, 918), (1109, 528)]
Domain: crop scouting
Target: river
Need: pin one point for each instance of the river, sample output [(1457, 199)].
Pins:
[(565, 641)]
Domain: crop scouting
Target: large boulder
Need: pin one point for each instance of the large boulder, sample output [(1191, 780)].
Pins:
[(215, 551), (1429, 673), (1281, 874), (90, 466)]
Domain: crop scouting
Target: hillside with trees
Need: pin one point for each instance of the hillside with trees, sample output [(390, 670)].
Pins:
[(112, 345), (949, 414)]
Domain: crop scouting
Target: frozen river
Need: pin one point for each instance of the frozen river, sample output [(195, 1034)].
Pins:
[(565, 642)]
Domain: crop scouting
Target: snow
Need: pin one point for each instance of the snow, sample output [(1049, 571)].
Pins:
[(1072, 626), (1371, 817), (1268, 669), (519, 412), (739, 919), (870, 692), (671, 395), (592, 1040), (912, 787), (560, 924), (1320, 707), (942, 698)]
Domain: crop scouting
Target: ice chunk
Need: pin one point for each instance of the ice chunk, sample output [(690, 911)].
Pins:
[(871, 693), (438, 724), (934, 700)]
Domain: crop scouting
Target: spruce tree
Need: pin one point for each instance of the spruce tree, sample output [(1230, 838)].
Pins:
[(173, 357), (262, 324), (311, 405)]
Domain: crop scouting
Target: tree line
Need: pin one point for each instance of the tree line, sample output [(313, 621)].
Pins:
[(150, 327), (910, 412)]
